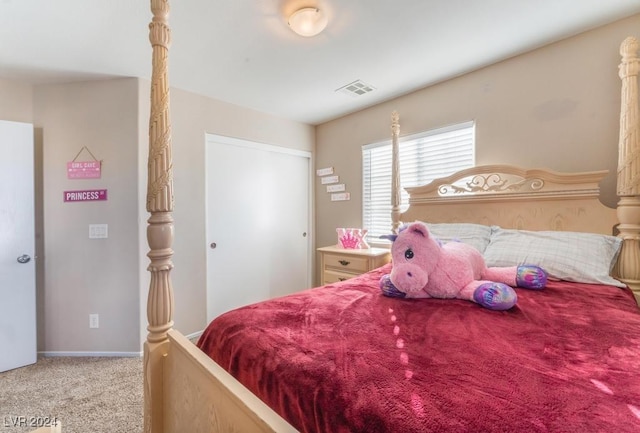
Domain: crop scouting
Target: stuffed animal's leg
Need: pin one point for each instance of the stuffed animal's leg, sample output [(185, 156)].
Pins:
[(489, 294), (531, 277), (525, 276)]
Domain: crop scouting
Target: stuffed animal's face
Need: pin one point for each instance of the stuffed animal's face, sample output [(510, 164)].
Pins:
[(415, 255)]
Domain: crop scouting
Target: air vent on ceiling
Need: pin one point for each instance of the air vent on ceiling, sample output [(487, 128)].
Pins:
[(357, 88)]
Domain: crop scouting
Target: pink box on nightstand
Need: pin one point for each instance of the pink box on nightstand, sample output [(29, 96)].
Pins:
[(352, 238)]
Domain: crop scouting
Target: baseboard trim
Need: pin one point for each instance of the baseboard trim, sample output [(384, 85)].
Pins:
[(51, 353), (194, 335), (92, 354)]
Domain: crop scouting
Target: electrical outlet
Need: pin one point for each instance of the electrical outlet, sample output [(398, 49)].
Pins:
[(93, 321)]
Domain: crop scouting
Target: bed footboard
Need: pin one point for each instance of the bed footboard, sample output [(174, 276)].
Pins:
[(199, 396)]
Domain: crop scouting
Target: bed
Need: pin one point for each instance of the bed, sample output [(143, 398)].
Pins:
[(564, 359)]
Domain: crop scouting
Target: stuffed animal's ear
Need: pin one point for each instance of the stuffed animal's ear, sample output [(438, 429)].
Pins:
[(419, 228)]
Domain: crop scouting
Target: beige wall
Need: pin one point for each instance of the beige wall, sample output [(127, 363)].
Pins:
[(192, 117), (16, 101), (556, 107), (82, 275), (77, 275)]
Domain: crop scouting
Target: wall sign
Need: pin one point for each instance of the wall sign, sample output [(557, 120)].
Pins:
[(342, 196), (330, 179), (85, 195), (84, 169), (336, 187), (324, 171)]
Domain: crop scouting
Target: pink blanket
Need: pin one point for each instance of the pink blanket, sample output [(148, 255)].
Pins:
[(344, 358)]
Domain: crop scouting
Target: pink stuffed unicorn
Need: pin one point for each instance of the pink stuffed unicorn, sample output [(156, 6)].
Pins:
[(423, 267)]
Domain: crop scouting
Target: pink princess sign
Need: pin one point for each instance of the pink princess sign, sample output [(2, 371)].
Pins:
[(85, 195)]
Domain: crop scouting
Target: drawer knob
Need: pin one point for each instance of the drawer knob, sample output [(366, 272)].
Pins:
[(342, 279), (343, 262)]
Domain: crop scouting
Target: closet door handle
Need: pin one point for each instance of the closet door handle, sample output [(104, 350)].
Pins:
[(24, 259)]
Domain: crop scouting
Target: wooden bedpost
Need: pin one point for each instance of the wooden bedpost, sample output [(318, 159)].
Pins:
[(628, 266), (395, 173), (160, 223)]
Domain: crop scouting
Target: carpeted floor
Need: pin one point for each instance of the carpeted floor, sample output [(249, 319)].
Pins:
[(98, 395)]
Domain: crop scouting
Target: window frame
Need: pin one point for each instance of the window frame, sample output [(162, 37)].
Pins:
[(418, 176)]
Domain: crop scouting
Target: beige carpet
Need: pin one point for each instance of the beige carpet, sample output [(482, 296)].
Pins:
[(88, 395)]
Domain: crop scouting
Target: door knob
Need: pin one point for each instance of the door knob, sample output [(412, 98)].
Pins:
[(213, 245), (24, 258)]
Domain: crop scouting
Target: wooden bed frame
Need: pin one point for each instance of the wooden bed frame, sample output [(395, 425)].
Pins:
[(184, 390)]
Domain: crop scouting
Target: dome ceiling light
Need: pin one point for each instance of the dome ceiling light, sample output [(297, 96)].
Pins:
[(308, 21)]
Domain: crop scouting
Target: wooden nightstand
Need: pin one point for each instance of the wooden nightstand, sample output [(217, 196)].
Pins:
[(339, 264)]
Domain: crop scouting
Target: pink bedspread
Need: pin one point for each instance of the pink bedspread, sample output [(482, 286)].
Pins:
[(344, 358)]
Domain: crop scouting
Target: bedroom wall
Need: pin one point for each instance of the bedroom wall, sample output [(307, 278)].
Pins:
[(16, 101), (77, 275), (83, 275), (556, 107), (192, 117)]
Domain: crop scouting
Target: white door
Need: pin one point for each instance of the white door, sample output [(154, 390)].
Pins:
[(258, 220), (17, 247)]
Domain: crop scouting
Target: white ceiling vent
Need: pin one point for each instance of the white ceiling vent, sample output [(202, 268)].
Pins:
[(357, 88)]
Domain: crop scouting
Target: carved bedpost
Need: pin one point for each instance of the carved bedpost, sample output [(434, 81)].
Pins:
[(628, 266), (395, 173), (160, 227)]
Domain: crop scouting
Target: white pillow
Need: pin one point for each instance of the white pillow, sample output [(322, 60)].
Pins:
[(476, 235), (569, 256)]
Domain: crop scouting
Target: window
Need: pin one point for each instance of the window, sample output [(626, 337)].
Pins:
[(423, 158)]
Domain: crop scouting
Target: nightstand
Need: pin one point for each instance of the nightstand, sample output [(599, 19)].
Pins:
[(339, 264)]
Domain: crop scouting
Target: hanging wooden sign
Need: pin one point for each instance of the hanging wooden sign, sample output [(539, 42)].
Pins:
[(84, 169)]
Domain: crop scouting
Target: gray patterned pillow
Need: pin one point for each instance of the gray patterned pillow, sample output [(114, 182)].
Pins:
[(476, 235), (569, 256)]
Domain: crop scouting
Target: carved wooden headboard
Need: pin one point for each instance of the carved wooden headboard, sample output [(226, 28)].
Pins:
[(513, 197)]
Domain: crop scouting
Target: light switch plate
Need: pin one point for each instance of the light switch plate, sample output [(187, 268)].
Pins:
[(94, 321), (98, 231)]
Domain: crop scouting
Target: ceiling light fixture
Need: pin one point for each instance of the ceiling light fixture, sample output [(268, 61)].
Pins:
[(308, 21)]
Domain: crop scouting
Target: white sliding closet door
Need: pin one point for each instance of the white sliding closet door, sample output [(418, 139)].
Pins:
[(258, 222)]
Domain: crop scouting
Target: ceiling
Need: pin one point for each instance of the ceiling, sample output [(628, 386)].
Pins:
[(242, 52)]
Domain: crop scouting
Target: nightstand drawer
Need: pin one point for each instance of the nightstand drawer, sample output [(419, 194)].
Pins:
[(347, 263), (339, 264), (335, 276)]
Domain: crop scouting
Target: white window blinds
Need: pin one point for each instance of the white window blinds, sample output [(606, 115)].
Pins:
[(423, 158)]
